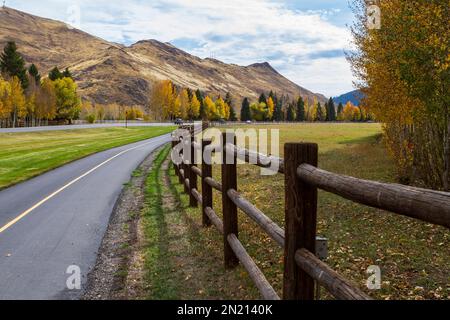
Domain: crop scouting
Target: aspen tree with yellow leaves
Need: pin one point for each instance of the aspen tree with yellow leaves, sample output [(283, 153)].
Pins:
[(211, 111), (403, 70), (16, 100), (184, 104), (162, 104), (270, 108), (5, 107), (194, 108)]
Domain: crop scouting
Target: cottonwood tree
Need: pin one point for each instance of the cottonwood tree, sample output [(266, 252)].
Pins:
[(16, 100), (270, 109), (67, 101), (403, 71)]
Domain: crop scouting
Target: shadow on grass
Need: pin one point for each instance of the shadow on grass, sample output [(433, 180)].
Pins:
[(157, 257)]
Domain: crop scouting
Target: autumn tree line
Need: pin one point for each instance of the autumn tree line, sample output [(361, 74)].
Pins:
[(29, 99), (403, 70), (168, 102), (26, 96), (272, 108)]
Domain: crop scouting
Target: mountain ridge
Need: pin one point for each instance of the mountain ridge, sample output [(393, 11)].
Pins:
[(354, 97), (108, 72)]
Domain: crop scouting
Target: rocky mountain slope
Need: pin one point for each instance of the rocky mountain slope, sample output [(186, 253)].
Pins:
[(108, 72)]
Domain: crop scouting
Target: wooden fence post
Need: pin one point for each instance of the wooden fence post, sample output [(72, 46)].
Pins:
[(192, 175), (300, 220), (207, 192), (175, 166), (185, 167), (229, 209)]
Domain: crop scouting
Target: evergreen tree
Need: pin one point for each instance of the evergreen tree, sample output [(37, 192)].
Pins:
[(233, 116), (278, 113), (331, 110), (55, 74), (320, 115), (201, 99), (291, 112), (340, 111), (33, 71), (67, 74), (300, 110), (245, 110), (12, 64), (325, 116), (262, 98)]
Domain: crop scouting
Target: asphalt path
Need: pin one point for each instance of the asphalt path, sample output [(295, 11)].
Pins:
[(58, 219)]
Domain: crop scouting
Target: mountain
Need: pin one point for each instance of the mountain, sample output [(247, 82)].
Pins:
[(108, 72), (354, 97)]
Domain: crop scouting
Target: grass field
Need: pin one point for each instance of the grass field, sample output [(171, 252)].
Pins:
[(413, 256), (25, 155)]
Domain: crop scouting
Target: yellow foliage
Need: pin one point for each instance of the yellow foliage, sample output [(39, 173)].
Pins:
[(194, 108), (211, 109), (270, 108), (5, 106), (403, 71)]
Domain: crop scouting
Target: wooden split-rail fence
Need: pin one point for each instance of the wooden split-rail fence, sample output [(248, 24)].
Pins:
[(302, 268)]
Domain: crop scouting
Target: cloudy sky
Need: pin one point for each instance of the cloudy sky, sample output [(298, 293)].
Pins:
[(303, 39)]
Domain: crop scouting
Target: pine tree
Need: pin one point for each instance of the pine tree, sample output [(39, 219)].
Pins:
[(12, 64), (325, 108), (200, 98), (55, 74), (291, 112), (331, 110), (233, 116), (320, 115), (300, 110), (67, 74), (278, 112), (340, 111), (262, 98), (245, 110), (33, 72)]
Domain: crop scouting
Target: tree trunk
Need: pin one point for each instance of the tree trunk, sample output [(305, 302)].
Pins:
[(447, 153), (14, 118)]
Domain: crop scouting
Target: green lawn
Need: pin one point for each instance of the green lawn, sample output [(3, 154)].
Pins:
[(413, 256), (25, 155)]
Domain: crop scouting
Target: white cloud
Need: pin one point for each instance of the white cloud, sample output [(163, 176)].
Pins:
[(236, 31)]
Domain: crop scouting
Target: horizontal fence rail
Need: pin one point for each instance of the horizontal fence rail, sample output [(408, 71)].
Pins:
[(422, 204), (303, 270)]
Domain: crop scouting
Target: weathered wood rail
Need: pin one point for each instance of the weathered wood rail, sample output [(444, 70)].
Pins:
[(302, 269)]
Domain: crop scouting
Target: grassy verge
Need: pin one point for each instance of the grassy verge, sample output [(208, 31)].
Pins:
[(413, 256), (25, 155), (182, 259)]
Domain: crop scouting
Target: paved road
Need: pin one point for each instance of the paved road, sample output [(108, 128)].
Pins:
[(82, 126), (67, 228)]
